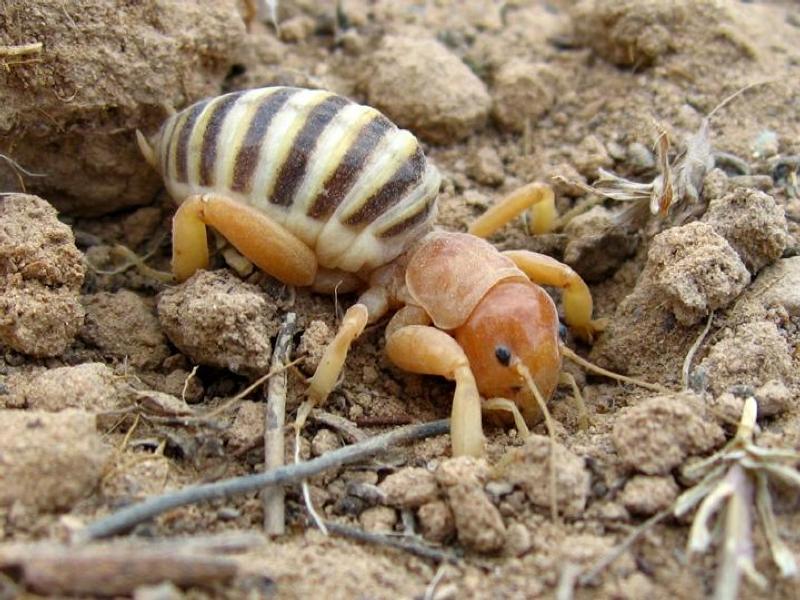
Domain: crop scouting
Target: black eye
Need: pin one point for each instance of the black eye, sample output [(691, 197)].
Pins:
[(503, 354)]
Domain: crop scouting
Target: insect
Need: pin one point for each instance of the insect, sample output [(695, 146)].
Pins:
[(322, 192)]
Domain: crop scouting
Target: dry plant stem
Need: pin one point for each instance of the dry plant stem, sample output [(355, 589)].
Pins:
[(144, 511), (687, 362), (22, 49), (589, 576), (119, 568), (273, 498), (349, 430), (408, 544)]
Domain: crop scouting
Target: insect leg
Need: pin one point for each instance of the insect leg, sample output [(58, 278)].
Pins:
[(538, 197), (371, 306), (267, 244), (576, 297), (430, 351)]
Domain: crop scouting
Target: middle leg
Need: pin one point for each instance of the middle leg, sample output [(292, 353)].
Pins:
[(430, 351)]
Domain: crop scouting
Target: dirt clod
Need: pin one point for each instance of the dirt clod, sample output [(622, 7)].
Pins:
[(658, 434), (522, 93), (378, 519), (124, 325), (247, 428), (315, 339), (41, 272), (595, 248), (49, 460), (410, 488), (753, 223), (105, 70), (529, 468), (751, 355), (92, 387), (644, 495), (436, 521), (220, 321), (696, 271), (423, 86)]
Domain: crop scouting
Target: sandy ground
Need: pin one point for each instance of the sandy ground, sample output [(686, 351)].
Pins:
[(115, 386)]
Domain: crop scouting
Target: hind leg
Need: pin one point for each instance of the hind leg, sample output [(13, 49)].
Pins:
[(270, 246), (537, 197)]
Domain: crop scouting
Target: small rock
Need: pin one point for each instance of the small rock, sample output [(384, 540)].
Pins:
[(324, 441), (41, 273), (523, 92), (595, 248), (462, 469), (140, 226), (124, 325), (297, 29), (378, 519), (92, 387), (777, 286), (220, 321), (645, 495), (315, 339), (528, 467), (182, 384), (247, 427), (696, 271), (136, 480), (161, 591), (753, 223), (658, 434), (640, 157), (423, 86), (589, 156), (410, 488), (753, 355), (486, 167), (518, 539), (436, 521), (49, 460), (478, 522)]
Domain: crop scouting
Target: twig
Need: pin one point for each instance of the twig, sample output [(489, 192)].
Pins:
[(408, 544), (272, 498), (132, 515), (349, 430), (118, 568), (21, 49), (598, 567)]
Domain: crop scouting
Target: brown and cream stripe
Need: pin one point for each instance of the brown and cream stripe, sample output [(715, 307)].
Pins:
[(339, 175)]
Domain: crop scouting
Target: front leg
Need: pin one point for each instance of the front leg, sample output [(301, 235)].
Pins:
[(576, 296), (270, 246), (430, 351)]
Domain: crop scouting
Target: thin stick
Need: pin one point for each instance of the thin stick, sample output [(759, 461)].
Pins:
[(687, 362), (406, 543), (598, 567), (272, 498), (132, 515), (241, 395), (21, 50)]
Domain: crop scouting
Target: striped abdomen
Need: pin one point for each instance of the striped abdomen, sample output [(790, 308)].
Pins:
[(339, 175)]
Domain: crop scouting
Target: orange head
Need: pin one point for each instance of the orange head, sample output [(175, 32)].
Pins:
[(516, 321)]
